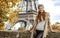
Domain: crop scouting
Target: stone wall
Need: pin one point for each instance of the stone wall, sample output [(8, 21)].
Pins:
[(5, 34), (53, 35)]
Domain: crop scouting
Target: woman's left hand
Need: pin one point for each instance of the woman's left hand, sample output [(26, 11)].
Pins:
[(52, 30)]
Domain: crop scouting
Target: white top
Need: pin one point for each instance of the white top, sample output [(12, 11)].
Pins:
[(40, 25)]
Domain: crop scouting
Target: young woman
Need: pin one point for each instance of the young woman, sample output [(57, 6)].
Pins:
[(40, 21)]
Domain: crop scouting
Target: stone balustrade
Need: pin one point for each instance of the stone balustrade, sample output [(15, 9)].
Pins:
[(15, 34)]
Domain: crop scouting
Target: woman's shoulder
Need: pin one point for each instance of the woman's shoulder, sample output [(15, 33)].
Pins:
[(47, 13)]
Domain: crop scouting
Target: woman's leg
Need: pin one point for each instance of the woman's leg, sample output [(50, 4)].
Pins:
[(36, 33), (39, 34)]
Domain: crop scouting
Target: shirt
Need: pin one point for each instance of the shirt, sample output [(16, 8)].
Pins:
[(40, 25)]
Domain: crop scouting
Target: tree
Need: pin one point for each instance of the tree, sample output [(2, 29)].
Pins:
[(5, 9)]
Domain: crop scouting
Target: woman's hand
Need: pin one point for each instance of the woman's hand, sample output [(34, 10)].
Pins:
[(31, 30), (52, 30)]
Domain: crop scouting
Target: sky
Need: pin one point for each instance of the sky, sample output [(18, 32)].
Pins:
[(52, 7)]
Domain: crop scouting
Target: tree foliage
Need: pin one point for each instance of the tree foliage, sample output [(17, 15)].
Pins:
[(5, 9)]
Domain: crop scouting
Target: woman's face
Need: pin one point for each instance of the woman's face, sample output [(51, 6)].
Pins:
[(41, 9)]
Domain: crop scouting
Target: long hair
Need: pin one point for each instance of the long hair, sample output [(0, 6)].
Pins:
[(43, 14)]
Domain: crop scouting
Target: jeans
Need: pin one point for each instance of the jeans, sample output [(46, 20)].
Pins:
[(39, 34)]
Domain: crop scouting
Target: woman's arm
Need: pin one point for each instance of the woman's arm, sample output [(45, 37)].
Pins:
[(35, 24), (49, 26), (48, 19)]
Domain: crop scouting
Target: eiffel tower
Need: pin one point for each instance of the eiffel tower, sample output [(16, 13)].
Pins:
[(31, 6), (31, 11)]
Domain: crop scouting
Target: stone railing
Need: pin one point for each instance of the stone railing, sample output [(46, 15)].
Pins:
[(53, 35), (15, 34)]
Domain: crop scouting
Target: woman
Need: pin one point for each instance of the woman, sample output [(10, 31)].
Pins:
[(40, 21)]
